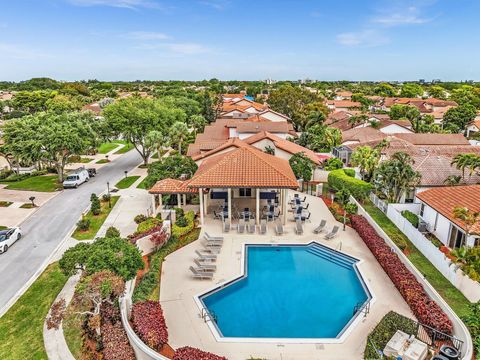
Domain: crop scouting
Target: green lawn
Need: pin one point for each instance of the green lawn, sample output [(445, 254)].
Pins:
[(457, 301), (95, 221), (85, 160), (27, 206), (102, 161), (107, 147), (5, 203), (46, 183), (126, 182), (3, 227), (128, 146), (142, 185), (72, 330), (21, 328)]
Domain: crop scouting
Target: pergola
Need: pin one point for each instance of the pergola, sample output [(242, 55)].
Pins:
[(170, 187), (245, 167)]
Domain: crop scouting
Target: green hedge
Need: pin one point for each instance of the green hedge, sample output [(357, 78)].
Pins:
[(338, 179), (384, 331), (349, 172), (178, 231), (411, 217), (148, 224)]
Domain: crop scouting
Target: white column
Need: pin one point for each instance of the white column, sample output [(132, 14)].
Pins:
[(184, 199), (206, 203), (230, 206), (284, 205), (154, 208), (257, 207), (201, 206), (179, 200)]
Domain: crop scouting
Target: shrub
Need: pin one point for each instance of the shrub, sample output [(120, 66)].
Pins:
[(350, 172), (189, 353), (181, 222), (139, 218), (332, 164), (338, 180), (115, 342), (138, 235), (83, 224), (179, 212), (179, 231), (106, 197), (411, 217), (57, 312), (149, 324), (351, 208), (425, 309), (95, 205), (112, 232), (147, 225)]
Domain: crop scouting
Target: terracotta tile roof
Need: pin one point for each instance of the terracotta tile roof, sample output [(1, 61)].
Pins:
[(233, 143), (344, 93), (172, 186), (233, 95), (434, 139), (244, 167), (445, 199), (363, 135), (270, 126), (344, 103), (283, 144), (95, 108)]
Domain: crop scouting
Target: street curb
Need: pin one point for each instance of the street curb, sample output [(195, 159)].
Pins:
[(18, 224)]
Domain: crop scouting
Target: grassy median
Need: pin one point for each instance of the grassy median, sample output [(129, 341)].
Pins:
[(126, 182), (96, 221)]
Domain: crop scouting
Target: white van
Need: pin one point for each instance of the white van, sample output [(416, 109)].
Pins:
[(76, 178)]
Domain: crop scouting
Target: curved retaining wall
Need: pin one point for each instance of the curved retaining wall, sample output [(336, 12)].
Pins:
[(460, 331), (142, 351)]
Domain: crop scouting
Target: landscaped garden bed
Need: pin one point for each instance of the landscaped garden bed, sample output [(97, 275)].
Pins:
[(126, 182), (95, 222), (5, 203)]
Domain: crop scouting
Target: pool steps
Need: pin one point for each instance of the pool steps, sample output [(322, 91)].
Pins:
[(331, 256)]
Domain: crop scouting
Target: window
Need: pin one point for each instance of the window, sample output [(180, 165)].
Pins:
[(457, 237), (245, 192), (422, 209)]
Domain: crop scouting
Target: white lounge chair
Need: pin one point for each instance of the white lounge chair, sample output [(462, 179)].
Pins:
[(332, 233), (201, 274), (213, 241), (204, 267), (298, 227), (206, 256), (241, 226), (207, 236), (279, 228), (263, 227), (251, 227), (226, 226), (320, 228)]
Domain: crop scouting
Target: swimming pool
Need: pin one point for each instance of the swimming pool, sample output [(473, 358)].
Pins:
[(301, 291)]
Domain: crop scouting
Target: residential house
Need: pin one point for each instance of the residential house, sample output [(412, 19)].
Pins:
[(343, 104)]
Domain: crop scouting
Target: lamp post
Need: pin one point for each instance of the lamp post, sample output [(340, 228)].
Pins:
[(125, 173), (106, 157), (32, 199), (109, 197)]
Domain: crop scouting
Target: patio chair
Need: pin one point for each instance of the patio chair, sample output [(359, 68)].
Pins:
[(206, 256), (205, 267), (332, 233), (201, 274), (251, 227), (306, 218), (279, 228), (213, 241), (320, 227), (298, 227), (213, 246), (217, 216), (241, 226), (226, 226), (306, 207), (263, 227), (208, 237)]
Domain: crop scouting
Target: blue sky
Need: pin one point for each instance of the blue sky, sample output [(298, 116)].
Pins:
[(243, 40)]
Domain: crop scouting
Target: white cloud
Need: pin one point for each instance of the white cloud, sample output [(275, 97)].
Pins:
[(129, 4), (410, 16), (364, 38), (146, 35)]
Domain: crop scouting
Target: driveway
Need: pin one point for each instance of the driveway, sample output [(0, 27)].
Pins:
[(49, 225)]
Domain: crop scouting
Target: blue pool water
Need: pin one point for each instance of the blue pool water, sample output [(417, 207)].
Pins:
[(289, 292)]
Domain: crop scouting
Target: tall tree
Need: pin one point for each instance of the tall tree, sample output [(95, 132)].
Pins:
[(178, 134), (302, 166), (411, 90), (135, 117), (366, 159), (457, 118)]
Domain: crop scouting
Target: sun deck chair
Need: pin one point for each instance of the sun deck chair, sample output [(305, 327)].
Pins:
[(213, 241), (320, 228), (263, 227), (241, 226), (279, 228), (298, 227), (332, 233), (251, 227), (198, 274), (205, 267), (206, 256), (209, 237), (213, 247)]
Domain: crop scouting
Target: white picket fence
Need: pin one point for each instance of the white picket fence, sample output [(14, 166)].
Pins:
[(467, 286)]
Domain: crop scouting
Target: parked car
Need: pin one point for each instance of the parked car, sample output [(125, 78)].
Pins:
[(76, 178), (8, 237), (92, 172)]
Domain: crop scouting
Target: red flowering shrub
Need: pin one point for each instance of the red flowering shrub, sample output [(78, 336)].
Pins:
[(137, 235), (425, 309), (149, 324), (115, 342), (189, 353)]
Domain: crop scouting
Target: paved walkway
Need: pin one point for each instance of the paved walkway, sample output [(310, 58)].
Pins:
[(54, 340), (186, 327)]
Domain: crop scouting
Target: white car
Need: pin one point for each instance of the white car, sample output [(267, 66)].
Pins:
[(8, 237), (77, 178)]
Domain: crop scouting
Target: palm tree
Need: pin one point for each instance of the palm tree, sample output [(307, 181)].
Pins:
[(468, 217), (452, 180), (465, 161), (366, 159), (178, 134)]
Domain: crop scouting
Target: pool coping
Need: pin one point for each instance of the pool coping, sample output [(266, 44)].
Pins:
[(343, 334)]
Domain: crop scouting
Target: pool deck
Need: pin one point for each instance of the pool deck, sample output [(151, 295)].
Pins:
[(186, 327)]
